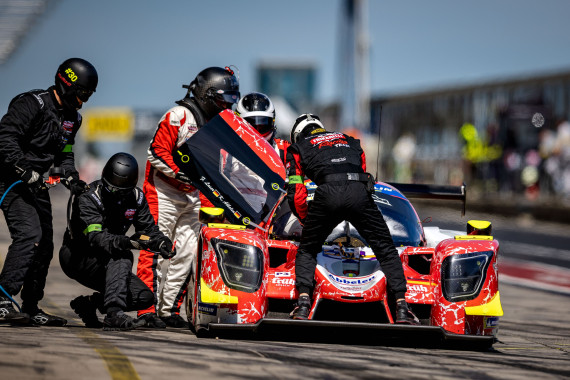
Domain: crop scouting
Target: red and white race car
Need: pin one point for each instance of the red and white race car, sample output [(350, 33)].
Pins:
[(243, 280)]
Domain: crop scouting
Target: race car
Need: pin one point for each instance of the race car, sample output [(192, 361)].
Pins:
[(243, 279)]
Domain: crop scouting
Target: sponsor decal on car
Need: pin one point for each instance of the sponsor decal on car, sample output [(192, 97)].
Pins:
[(207, 309), (417, 288), (351, 281), (491, 322), (283, 281), (282, 274)]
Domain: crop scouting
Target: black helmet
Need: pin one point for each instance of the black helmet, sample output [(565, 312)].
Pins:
[(305, 123), (120, 174), (258, 110), (75, 78), (215, 89)]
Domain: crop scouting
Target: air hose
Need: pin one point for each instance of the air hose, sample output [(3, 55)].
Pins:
[(8, 190)]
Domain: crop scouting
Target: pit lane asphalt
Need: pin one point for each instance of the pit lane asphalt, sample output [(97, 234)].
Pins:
[(534, 341)]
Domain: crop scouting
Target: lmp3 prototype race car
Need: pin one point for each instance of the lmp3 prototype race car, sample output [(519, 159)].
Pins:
[(243, 279)]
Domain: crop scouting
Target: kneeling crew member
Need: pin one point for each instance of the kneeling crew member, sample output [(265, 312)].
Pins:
[(97, 253), (336, 163)]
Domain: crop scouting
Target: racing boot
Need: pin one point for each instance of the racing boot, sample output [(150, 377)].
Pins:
[(175, 321), (119, 321), (404, 315), (302, 309), (86, 308), (41, 318), (152, 321), (10, 315)]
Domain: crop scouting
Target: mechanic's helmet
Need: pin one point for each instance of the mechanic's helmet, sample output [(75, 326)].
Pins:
[(258, 110), (120, 174), (75, 78), (305, 124), (215, 89)]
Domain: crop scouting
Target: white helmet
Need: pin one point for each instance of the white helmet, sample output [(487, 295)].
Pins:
[(258, 110), (302, 122)]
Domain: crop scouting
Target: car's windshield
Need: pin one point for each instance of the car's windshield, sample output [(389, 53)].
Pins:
[(399, 215)]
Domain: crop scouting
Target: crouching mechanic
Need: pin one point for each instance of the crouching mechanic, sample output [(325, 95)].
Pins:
[(336, 163), (97, 253)]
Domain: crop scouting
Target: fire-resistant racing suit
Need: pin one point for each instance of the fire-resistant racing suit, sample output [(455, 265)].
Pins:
[(34, 134), (175, 205), (285, 223), (337, 164), (97, 254)]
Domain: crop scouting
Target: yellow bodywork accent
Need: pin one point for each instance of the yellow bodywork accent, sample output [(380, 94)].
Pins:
[(419, 282), (479, 224), (207, 295), (492, 308), (214, 211), (227, 226), (473, 237)]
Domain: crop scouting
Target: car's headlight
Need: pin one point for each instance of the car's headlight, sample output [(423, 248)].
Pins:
[(241, 265), (462, 276)]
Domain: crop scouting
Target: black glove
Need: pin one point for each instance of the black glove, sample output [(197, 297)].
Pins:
[(76, 186), (183, 177), (161, 245), (34, 180), (166, 249)]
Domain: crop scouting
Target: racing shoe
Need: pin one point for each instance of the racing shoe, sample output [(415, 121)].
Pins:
[(175, 321), (404, 315), (10, 315), (87, 311), (152, 321), (41, 318), (120, 321), (302, 309)]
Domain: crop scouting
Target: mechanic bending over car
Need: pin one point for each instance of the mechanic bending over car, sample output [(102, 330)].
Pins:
[(258, 110), (337, 164), (97, 254), (38, 131), (174, 202)]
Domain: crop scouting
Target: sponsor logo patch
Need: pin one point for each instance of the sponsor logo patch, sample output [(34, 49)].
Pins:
[(207, 309), (130, 213)]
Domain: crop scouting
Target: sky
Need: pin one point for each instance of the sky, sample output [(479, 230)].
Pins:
[(145, 50)]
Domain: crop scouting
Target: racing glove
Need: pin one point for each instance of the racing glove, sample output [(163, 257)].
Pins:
[(161, 245), (34, 180), (76, 186), (183, 177)]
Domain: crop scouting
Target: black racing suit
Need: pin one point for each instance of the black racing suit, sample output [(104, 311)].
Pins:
[(336, 163), (97, 254), (34, 134)]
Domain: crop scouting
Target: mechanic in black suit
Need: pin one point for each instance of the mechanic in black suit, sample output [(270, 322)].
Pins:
[(337, 164), (97, 253)]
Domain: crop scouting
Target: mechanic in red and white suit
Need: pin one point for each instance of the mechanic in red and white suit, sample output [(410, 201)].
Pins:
[(258, 110), (174, 202)]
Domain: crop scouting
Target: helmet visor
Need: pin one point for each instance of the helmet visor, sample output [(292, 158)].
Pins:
[(83, 94), (263, 124), (115, 190), (225, 100)]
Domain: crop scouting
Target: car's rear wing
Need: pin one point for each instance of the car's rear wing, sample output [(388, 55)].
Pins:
[(421, 191)]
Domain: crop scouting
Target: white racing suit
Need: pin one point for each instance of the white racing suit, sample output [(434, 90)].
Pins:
[(175, 206)]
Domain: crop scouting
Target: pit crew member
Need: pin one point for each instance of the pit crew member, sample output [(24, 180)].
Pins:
[(97, 253), (337, 164), (38, 131), (258, 110), (174, 202)]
